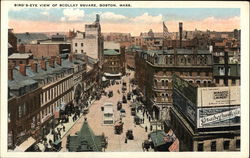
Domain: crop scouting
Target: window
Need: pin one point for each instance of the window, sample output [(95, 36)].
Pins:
[(166, 82), (76, 44), (213, 146), (171, 61), (198, 73), (162, 82), (217, 80), (81, 51), (233, 81), (24, 108), (189, 60), (19, 111), (200, 146), (182, 60), (238, 143), (8, 117), (75, 51), (226, 144), (221, 71), (155, 82), (81, 44), (207, 73)]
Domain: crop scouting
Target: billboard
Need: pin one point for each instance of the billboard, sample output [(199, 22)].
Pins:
[(218, 96), (218, 117)]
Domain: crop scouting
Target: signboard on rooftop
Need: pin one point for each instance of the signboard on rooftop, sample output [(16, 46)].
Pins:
[(218, 96)]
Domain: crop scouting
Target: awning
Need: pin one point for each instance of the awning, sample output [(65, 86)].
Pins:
[(112, 75), (25, 145), (104, 78)]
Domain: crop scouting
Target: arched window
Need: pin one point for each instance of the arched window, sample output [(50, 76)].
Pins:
[(155, 82), (162, 82)]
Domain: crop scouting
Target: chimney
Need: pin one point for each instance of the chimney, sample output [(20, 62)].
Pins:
[(34, 67), (70, 58), (22, 48), (52, 62), (43, 64), (22, 69), (180, 32), (59, 60), (97, 18), (10, 73)]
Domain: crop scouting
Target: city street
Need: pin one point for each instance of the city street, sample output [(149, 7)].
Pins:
[(95, 119)]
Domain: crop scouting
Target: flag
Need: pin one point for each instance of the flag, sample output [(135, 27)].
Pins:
[(165, 31)]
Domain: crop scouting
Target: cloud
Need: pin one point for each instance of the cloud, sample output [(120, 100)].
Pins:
[(135, 28), (73, 15), (45, 13), (110, 16), (146, 18)]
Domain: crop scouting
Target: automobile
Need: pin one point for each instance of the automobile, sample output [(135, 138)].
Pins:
[(119, 105), (110, 94), (133, 111), (122, 113), (129, 96), (124, 100), (137, 120), (118, 127), (129, 134)]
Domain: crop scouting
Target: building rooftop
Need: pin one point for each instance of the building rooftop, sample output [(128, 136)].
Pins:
[(111, 52), (28, 38), (178, 51), (85, 140), (20, 56)]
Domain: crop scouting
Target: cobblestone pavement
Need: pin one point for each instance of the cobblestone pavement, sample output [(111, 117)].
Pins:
[(95, 119)]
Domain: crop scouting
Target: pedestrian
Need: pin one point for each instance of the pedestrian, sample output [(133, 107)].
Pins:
[(151, 127), (126, 140), (149, 118), (63, 128), (143, 120), (146, 129)]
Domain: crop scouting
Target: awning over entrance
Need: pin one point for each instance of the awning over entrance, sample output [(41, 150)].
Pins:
[(104, 79), (112, 75), (25, 145)]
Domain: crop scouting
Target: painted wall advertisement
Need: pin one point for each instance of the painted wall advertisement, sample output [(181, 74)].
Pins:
[(218, 117), (185, 106), (184, 98), (218, 96)]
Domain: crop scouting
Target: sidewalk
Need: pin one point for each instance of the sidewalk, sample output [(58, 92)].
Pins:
[(67, 126)]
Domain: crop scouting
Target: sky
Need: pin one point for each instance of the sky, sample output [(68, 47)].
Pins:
[(127, 20)]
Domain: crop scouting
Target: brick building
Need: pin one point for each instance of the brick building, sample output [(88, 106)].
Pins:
[(41, 90), (205, 118), (17, 58), (114, 60), (130, 57), (154, 70)]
